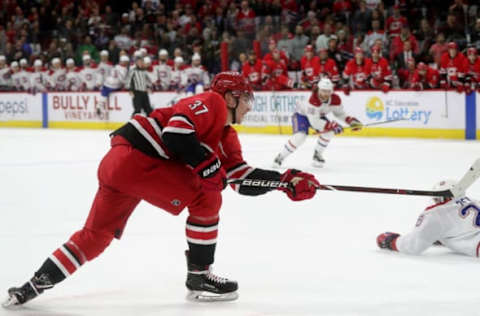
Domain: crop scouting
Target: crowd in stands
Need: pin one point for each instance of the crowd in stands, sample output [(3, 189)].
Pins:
[(277, 44)]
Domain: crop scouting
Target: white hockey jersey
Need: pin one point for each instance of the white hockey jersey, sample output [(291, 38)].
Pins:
[(152, 77), (315, 110), (74, 80), (197, 75), (5, 76), (178, 79), (455, 223), (38, 80), (104, 70), (89, 76), (117, 77), (57, 79), (23, 76), (164, 75)]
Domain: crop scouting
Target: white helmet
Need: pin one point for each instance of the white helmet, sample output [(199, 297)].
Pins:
[(147, 60), (163, 51), (446, 184), (38, 63), (325, 84), (178, 60), (124, 58)]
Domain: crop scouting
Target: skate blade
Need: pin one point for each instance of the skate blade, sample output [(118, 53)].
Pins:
[(317, 164), (204, 296), (11, 303)]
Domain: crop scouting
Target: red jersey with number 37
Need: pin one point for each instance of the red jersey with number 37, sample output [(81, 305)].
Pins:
[(205, 115)]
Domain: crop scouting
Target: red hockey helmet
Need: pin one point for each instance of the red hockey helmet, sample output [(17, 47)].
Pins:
[(421, 66), (231, 81), (472, 51), (452, 45)]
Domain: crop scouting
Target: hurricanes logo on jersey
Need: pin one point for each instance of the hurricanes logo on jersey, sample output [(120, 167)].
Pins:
[(375, 108)]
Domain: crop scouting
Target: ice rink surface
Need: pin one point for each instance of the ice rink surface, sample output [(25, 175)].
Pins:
[(317, 257)]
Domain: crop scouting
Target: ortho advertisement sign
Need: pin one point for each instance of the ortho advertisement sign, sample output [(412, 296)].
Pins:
[(21, 107)]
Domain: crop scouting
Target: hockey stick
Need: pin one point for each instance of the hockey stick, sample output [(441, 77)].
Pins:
[(457, 191), (371, 124), (332, 187)]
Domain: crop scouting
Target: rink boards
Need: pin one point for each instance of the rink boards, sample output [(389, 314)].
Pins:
[(431, 114)]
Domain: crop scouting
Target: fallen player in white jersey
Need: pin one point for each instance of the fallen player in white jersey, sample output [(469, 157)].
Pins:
[(454, 223)]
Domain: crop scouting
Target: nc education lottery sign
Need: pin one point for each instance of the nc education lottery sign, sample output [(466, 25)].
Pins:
[(20, 107), (432, 109)]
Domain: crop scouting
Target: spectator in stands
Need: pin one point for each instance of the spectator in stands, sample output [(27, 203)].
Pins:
[(123, 40), (345, 41), (398, 42), (373, 34), (274, 73), (297, 46), (425, 36), (322, 40), (252, 70), (401, 59), (240, 44), (438, 48), (245, 19), (283, 40), (380, 72), (340, 57), (424, 78), (310, 21), (453, 30), (452, 68), (356, 73), (361, 18), (475, 34), (315, 32), (327, 68), (310, 66), (472, 71), (395, 23), (272, 46), (89, 47)]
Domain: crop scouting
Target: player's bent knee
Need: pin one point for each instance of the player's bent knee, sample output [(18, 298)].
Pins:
[(206, 206), (91, 243)]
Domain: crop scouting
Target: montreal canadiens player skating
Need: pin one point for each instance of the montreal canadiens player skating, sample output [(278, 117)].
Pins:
[(313, 113), (455, 223), (178, 157)]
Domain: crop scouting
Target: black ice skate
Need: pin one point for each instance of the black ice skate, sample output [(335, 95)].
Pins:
[(206, 287), (20, 295), (318, 160), (277, 162)]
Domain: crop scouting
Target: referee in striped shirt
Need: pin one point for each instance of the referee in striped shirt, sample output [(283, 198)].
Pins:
[(139, 84)]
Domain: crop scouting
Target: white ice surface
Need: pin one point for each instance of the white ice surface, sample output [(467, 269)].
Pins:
[(317, 257)]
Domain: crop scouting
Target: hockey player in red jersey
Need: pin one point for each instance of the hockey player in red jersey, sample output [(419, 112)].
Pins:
[(424, 78), (252, 70), (451, 68), (380, 72), (472, 71), (179, 157), (357, 71), (328, 67), (310, 65)]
